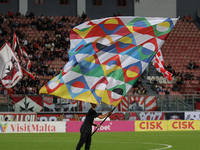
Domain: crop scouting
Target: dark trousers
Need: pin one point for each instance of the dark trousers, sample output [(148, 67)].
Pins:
[(85, 138)]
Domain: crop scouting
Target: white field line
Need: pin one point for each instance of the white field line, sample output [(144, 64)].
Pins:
[(166, 145)]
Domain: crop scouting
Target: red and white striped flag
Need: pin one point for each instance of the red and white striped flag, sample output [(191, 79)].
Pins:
[(159, 65), (22, 56)]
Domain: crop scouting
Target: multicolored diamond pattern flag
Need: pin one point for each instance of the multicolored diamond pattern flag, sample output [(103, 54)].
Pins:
[(107, 56)]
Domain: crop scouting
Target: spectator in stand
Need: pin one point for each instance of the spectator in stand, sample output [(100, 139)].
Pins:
[(140, 90), (195, 65), (83, 16), (63, 19), (23, 90), (51, 18), (24, 41), (175, 87), (10, 14), (169, 68), (40, 71), (18, 14), (183, 79), (135, 92), (154, 82), (192, 77), (1, 20), (50, 70), (187, 76), (37, 81), (27, 15), (41, 17), (29, 90), (39, 26), (73, 23), (34, 23), (139, 82), (36, 46), (60, 24), (167, 101), (144, 92), (58, 33), (178, 79), (45, 20), (158, 88), (119, 14), (45, 65), (31, 15), (65, 56), (173, 73), (38, 63), (190, 65), (48, 57), (49, 26), (46, 36), (190, 19), (185, 18), (182, 73), (20, 24), (24, 24)]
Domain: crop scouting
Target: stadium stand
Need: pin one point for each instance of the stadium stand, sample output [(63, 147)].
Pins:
[(181, 46), (49, 41)]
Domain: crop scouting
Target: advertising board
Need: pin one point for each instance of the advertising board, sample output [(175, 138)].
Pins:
[(151, 125), (192, 115), (107, 126), (35, 127), (183, 125), (17, 117)]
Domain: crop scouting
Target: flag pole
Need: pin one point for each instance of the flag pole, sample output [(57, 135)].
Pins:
[(103, 121)]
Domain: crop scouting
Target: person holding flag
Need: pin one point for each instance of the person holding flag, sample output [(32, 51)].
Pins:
[(86, 127)]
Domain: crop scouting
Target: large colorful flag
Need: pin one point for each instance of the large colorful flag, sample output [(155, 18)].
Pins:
[(158, 62), (10, 70), (22, 56), (107, 56)]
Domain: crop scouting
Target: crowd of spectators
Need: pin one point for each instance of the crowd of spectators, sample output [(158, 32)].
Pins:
[(52, 49), (138, 89), (180, 77), (187, 18)]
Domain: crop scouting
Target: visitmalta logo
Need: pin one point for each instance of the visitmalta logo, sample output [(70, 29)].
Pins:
[(3, 127)]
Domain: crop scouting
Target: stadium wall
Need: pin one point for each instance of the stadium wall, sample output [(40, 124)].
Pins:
[(155, 8), (158, 8), (52, 7), (108, 9)]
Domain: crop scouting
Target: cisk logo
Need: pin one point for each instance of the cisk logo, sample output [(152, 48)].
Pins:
[(3, 127), (151, 125), (183, 125)]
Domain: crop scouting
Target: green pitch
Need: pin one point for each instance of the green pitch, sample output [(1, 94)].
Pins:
[(187, 140)]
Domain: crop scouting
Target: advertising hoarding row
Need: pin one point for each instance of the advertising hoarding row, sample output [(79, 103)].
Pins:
[(107, 126)]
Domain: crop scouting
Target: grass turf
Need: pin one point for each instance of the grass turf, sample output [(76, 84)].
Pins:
[(185, 140)]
